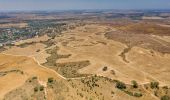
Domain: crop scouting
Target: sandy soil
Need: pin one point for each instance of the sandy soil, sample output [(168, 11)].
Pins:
[(27, 51), (100, 55), (155, 65), (164, 38), (87, 43), (35, 39), (29, 67), (18, 25)]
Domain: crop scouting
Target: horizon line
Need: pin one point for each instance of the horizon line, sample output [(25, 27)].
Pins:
[(56, 10)]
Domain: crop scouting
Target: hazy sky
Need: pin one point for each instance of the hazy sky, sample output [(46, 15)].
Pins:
[(82, 4)]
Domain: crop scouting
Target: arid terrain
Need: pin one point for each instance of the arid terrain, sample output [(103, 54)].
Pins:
[(89, 60)]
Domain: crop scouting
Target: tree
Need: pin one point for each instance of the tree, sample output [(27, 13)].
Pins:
[(35, 89), (120, 85), (165, 97), (135, 84), (154, 85)]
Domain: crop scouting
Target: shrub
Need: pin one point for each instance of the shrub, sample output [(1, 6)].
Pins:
[(165, 87), (156, 93), (22, 72), (35, 89), (137, 94), (113, 72), (105, 68), (34, 77), (41, 88), (50, 80), (129, 93), (120, 85), (81, 94), (112, 92), (165, 97), (135, 84), (154, 85)]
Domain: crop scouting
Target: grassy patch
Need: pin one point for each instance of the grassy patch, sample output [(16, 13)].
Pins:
[(70, 69), (48, 43), (51, 60)]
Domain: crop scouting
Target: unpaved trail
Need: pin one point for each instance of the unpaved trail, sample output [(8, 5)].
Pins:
[(156, 98), (38, 64)]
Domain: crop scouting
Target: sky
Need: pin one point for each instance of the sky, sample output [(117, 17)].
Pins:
[(12, 5)]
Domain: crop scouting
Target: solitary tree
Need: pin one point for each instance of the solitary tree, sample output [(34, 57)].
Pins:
[(135, 84)]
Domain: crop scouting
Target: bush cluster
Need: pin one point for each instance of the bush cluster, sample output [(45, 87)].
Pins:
[(154, 85), (120, 85)]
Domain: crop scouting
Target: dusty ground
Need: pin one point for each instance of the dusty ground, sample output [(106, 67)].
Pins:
[(79, 54), (17, 25), (93, 46), (26, 67)]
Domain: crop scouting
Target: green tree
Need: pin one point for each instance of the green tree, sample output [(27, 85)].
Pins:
[(165, 97), (120, 85), (154, 85), (134, 84)]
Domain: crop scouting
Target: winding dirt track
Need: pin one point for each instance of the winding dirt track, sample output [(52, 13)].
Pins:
[(38, 64)]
